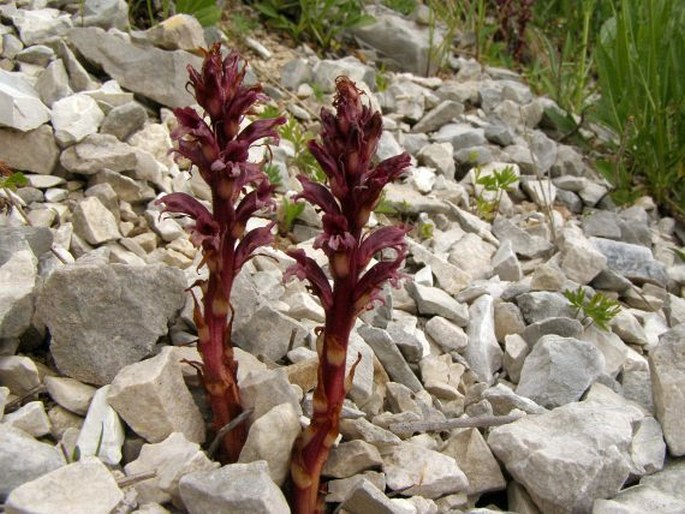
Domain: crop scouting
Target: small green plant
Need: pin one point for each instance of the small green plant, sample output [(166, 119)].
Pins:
[(493, 186), (599, 309), (287, 214), (382, 79), (303, 160), (426, 229), (9, 181), (207, 12), (239, 25), (405, 7), (274, 174), (320, 22)]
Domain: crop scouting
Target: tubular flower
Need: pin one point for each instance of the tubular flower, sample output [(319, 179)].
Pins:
[(345, 151), (240, 189)]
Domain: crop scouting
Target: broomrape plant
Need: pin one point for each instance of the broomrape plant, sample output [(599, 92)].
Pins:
[(348, 143), (219, 149)]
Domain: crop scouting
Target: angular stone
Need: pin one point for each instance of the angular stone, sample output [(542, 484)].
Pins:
[(540, 305), (178, 32), (461, 135), (74, 118), (263, 391), (439, 157), (33, 150), (515, 352), (634, 262), (363, 429), (129, 65), (326, 70), (442, 114), (273, 446), (448, 336), (473, 456), (558, 370), (96, 152), (441, 377), (570, 456), (84, 486), (104, 13), (472, 255), (564, 327), (90, 343), (23, 459), (505, 263), (523, 243), (233, 489), (22, 108), (269, 333), (94, 223), (170, 459), (124, 120), (508, 320), (415, 470), (153, 399), (39, 25), (390, 356), (648, 449), (667, 366), (19, 373), (580, 261), (102, 433), (483, 353), (400, 40), (504, 401), (614, 350), (450, 278), (340, 489), (366, 498), (18, 277), (4, 394), (31, 418), (350, 458), (432, 301)]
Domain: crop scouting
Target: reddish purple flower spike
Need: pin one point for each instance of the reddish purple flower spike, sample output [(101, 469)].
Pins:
[(240, 189), (349, 138)]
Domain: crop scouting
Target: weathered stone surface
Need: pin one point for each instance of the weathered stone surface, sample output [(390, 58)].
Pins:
[(363, 429), (273, 446), (540, 305), (104, 13), (473, 255), (366, 497), (634, 262), (94, 223), (580, 261), (33, 150), (124, 120), (153, 399), (483, 353), (570, 456), (170, 459), (23, 459), (473, 456), (614, 350), (667, 367), (96, 152), (442, 114), (450, 278), (181, 31), (390, 356), (648, 449), (22, 108), (558, 370), (18, 277), (351, 457), (90, 343), (263, 391), (74, 118), (447, 335), (435, 301), (84, 486), (233, 489), (524, 244), (415, 470), (102, 433), (39, 25), (129, 64), (565, 327), (505, 264)]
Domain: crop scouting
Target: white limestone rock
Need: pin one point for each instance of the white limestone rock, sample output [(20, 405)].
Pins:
[(71, 394), (153, 399), (75, 117), (351, 457), (20, 105), (94, 222), (102, 433), (31, 418), (483, 352)]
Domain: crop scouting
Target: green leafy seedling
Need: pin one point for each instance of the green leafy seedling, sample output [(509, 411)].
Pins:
[(289, 212), (598, 308), (498, 182)]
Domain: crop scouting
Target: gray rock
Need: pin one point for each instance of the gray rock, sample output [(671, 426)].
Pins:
[(580, 261), (129, 65), (634, 262), (483, 353), (124, 120), (558, 370), (366, 497), (178, 32), (94, 223), (170, 459), (4, 394), (648, 449), (434, 301), (614, 350), (540, 305), (387, 352), (504, 401), (327, 70), (18, 276), (569, 162), (363, 429), (442, 114), (548, 277), (472, 255), (416, 470), (340, 489), (668, 382), (19, 373), (53, 83), (70, 394), (448, 336), (441, 377), (263, 391), (461, 135), (23, 459), (269, 333), (634, 223), (233, 489), (32, 150), (515, 352), (96, 152), (128, 190), (273, 446), (295, 72), (23, 109), (40, 25), (602, 224), (153, 399), (90, 343), (84, 486), (105, 14), (79, 79), (449, 277), (564, 327), (505, 263), (524, 244), (402, 42), (499, 134), (351, 457), (439, 157), (31, 418), (102, 433), (473, 456), (570, 456)]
